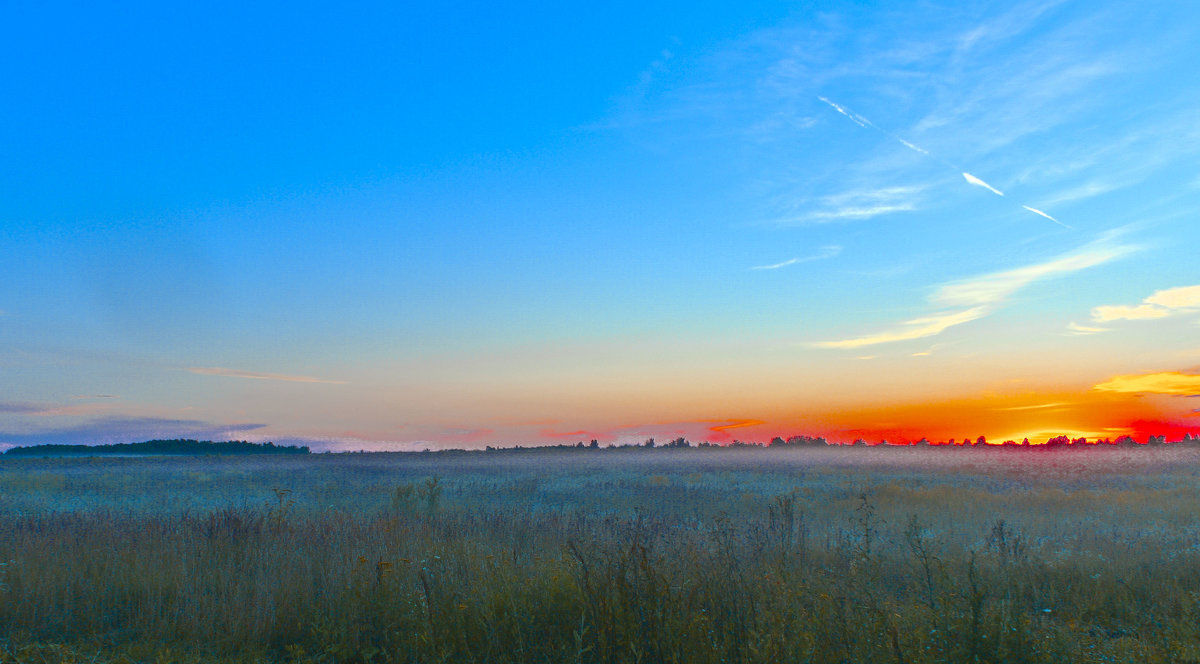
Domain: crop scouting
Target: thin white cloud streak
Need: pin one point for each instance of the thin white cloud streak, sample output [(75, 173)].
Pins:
[(967, 177), (879, 194), (980, 183), (1079, 330), (1043, 214), (976, 86), (826, 252), (1109, 313), (1014, 22), (1040, 406), (235, 373), (856, 205), (1114, 165), (863, 122), (971, 179), (776, 266), (859, 120), (996, 287), (984, 294), (1160, 304), (1081, 192), (858, 212), (917, 328)]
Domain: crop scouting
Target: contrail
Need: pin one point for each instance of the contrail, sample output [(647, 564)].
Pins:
[(980, 183), (776, 266), (1039, 212), (860, 121), (971, 179), (828, 251)]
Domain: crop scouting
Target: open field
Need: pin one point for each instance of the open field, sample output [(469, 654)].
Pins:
[(714, 555)]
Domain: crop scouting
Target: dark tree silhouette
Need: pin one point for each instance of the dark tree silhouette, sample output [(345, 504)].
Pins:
[(175, 447)]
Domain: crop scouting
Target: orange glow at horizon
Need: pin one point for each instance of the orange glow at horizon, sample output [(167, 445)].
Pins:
[(1105, 408), (1092, 415)]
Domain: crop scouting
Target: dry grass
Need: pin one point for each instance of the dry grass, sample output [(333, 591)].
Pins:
[(634, 556)]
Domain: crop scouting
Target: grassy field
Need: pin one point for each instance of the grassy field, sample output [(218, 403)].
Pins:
[(705, 555)]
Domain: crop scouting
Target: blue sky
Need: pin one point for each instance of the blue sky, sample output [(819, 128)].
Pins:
[(393, 227)]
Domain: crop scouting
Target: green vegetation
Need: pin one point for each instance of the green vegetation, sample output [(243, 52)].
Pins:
[(178, 446), (814, 554)]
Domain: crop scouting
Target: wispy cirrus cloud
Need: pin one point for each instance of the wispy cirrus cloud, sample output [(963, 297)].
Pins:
[(1161, 304), (994, 288), (254, 375), (983, 294), (1003, 90), (857, 205), (1080, 192), (1108, 313), (971, 179), (1040, 406), (858, 212), (1077, 329), (828, 251), (1029, 92), (917, 328), (1174, 383)]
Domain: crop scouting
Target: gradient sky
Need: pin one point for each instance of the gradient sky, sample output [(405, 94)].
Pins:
[(397, 227)]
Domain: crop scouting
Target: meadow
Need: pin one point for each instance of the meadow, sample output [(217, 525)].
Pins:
[(837, 555)]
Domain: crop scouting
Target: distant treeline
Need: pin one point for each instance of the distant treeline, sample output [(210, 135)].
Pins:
[(187, 447), (178, 447), (817, 441)]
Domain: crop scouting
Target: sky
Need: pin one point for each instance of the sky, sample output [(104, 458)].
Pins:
[(392, 226)]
